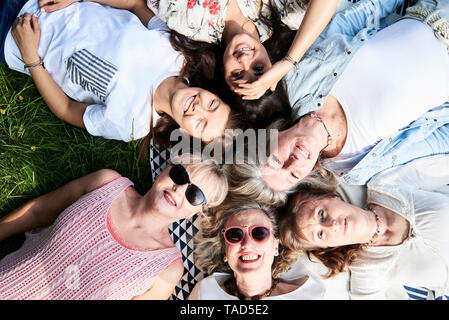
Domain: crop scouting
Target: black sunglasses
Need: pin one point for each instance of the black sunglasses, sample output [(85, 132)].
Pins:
[(194, 195)]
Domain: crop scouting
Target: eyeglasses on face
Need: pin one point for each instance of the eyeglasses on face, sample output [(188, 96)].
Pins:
[(193, 194), (234, 235)]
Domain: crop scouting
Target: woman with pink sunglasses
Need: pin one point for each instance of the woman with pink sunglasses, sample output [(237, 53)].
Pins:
[(239, 246)]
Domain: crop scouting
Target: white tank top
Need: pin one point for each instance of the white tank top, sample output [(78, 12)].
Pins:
[(391, 81)]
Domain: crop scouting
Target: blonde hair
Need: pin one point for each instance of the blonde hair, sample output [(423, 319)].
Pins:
[(209, 242), (203, 168), (245, 181)]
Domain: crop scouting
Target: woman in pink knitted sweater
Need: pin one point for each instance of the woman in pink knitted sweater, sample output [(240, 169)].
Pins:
[(97, 238)]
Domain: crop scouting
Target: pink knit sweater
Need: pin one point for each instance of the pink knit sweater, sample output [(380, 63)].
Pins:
[(80, 257)]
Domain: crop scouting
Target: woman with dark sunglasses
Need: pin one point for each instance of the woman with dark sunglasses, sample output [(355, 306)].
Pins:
[(100, 239), (239, 247)]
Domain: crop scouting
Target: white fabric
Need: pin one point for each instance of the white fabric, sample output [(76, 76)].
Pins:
[(336, 288), (209, 289), (419, 190), (390, 82), (418, 193), (143, 59)]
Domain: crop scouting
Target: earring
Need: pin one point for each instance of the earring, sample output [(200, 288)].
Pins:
[(276, 253), (225, 260)]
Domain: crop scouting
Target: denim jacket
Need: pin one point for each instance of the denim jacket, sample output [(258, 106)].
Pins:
[(426, 136), (309, 83)]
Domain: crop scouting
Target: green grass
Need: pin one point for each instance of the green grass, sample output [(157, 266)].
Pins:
[(39, 152)]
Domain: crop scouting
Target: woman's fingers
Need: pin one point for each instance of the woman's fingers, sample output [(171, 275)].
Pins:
[(35, 24), (42, 3)]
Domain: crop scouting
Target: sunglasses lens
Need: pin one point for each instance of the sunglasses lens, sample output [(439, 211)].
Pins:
[(260, 233), (179, 174), (194, 195), (234, 235)]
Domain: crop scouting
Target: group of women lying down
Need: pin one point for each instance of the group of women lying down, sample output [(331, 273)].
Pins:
[(357, 183)]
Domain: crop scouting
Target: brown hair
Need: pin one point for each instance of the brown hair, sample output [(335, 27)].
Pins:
[(199, 66), (259, 112), (336, 259)]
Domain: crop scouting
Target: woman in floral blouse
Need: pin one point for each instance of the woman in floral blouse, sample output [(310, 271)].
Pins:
[(229, 21), (239, 26)]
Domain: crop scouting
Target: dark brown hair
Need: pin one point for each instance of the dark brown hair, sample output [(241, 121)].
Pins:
[(199, 67), (260, 112)]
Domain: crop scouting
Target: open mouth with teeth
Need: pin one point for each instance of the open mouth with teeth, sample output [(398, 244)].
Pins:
[(169, 198), (241, 49), (188, 103), (249, 258)]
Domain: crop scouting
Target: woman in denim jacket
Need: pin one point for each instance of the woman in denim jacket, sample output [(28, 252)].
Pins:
[(364, 100), (390, 234)]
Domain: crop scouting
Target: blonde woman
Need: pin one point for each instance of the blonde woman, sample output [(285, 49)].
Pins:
[(239, 246), (246, 177), (97, 238)]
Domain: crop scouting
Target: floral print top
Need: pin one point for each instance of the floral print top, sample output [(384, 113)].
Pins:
[(204, 20)]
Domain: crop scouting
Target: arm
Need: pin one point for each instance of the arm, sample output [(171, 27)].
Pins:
[(164, 285), (138, 7), (44, 210), (26, 34), (318, 15)]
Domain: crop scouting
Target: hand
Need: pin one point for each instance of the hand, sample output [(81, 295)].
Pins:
[(54, 5), (27, 34), (269, 80)]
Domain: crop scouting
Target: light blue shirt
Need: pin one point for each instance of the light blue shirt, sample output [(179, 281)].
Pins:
[(311, 81), (426, 136)]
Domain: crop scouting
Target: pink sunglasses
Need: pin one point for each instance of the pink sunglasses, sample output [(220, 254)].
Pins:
[(235, 234)]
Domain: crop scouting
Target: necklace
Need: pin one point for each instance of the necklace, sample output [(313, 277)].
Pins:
[(376, 234), (231, 288), (329, 137)]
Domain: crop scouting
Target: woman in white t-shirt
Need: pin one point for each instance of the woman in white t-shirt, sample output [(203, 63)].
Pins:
[(239, 246), (110, 71)]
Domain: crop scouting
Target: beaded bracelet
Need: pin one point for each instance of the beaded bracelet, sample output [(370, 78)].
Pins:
[(290, 59), (34, 65)]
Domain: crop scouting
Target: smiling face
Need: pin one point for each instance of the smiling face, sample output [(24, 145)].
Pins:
[(250, 256), (169, 198), (331, 222), (201, 113), (297, 152), (245, 60)]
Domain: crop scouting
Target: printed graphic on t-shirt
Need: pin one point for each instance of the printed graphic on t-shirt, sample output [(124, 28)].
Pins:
[(93, 74)]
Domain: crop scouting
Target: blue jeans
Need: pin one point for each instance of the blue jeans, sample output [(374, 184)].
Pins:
[(9, 9)]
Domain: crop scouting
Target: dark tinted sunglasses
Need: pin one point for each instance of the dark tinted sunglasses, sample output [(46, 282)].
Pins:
[(194, 195), (235, 234)]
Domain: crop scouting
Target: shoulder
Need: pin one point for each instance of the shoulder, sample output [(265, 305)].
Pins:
[(99, 178), (210, 287), (173, 273)]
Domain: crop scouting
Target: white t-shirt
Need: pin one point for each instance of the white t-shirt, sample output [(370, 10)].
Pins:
[(104, 57), (210, 289), (391, 81)]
